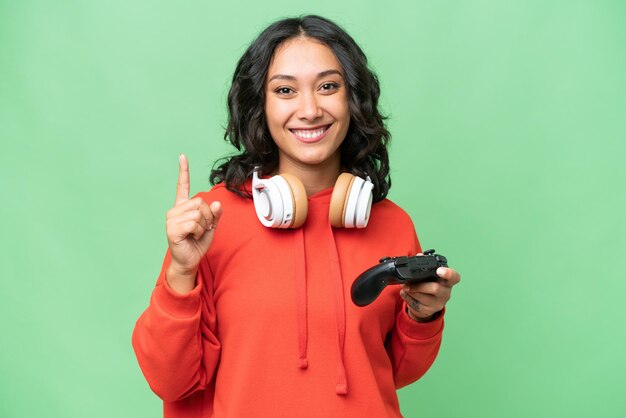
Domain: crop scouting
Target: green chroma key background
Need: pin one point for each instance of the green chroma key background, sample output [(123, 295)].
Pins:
[(508, 122)]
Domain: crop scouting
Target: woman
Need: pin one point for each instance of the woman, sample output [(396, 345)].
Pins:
[(251, 315)]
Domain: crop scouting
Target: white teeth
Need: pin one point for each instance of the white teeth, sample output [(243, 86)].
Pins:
[(308, 134)]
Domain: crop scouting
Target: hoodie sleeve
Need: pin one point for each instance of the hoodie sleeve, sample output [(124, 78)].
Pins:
[(412, 346), (175, 338)]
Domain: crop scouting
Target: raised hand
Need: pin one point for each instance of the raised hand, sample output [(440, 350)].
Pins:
[(190, 228)]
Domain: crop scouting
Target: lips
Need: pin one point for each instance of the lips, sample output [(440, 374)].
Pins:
[(311, 135)]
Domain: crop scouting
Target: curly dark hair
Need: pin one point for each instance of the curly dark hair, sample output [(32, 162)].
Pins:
[(364, 149)]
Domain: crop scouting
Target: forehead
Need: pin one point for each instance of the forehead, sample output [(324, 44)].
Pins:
[(302, 56)]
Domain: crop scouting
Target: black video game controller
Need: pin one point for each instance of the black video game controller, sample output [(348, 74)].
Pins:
[(396, 270)]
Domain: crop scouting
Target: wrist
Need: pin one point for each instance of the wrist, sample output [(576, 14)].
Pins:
[(425, 319), (180, 280)]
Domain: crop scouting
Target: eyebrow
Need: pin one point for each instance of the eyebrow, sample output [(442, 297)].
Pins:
[(292, 78)]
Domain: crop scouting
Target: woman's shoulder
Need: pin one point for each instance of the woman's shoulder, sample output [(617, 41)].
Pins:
[(391, 212), (387, 205), (221, 192)]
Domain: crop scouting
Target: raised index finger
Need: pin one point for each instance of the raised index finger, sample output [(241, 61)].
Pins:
[(182, 190)]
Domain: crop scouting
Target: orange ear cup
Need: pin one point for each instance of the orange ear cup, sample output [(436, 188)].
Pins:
[(299, 198), (339, 198)]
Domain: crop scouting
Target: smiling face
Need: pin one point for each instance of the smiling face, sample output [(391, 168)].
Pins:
[(306, 106)]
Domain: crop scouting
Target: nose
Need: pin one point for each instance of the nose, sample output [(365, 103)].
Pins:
[(309, 108)]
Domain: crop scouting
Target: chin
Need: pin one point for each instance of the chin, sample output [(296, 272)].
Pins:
[(308, 159), (315, 159)]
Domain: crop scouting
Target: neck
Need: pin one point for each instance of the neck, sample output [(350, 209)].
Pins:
[(315, 178)]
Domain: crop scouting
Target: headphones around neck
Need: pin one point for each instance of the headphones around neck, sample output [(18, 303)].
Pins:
[(281, 201)]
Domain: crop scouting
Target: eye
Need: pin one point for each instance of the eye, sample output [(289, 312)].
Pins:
[(283, 91), (329, 86)]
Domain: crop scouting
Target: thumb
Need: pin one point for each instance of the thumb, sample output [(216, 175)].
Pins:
[(207, 237), (216, 211)]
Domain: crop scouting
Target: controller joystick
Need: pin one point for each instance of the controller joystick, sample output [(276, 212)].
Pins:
[(396, 270)]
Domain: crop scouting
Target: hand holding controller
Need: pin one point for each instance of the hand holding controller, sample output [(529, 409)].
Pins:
[(396, 270)]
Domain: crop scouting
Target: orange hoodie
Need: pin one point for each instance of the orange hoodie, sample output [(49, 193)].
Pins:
[(270, 329)]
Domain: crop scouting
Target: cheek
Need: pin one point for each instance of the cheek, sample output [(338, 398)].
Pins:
[(341, 110), (276, 113), (342, 114)]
